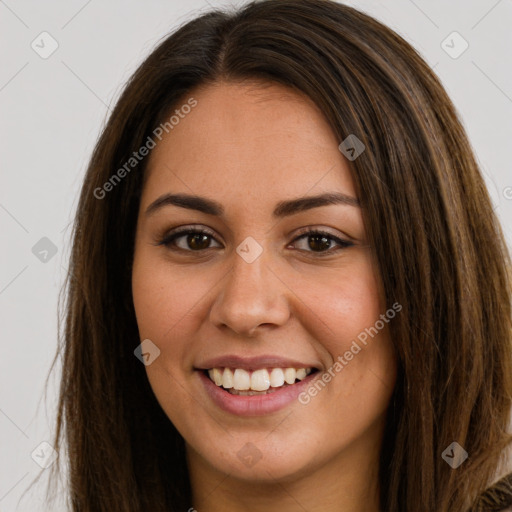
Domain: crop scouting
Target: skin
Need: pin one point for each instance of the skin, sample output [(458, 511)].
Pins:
[(249, 146)]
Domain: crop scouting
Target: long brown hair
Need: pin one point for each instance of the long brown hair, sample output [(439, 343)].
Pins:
[(437, 243)]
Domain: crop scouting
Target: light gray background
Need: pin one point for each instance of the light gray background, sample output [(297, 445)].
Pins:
[(52, 111)]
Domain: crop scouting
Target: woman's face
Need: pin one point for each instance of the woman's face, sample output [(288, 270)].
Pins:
[(256, 298)]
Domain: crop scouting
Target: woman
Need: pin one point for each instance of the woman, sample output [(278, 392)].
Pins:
[(288, 289)]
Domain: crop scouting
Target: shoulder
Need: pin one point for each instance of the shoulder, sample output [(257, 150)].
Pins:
[(497, 498)]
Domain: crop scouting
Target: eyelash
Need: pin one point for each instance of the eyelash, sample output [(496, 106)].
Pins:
[(168, 240)]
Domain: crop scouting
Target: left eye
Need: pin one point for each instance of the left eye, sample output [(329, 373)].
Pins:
[(196, 240), (319, 240)]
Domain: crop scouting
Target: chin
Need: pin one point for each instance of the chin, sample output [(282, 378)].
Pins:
[(256, 459)]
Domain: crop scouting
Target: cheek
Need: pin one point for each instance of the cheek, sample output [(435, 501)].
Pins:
[(165, 297), (344, 303), (165, 300), (346, 313)]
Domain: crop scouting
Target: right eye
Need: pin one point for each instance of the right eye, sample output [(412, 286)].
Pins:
[(192, 240)]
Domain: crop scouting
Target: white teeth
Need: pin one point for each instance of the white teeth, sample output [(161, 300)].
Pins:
[(241, 379), (276, 377), (261, 380), (227, 379), (217, 376), (301, 373), (289, 375)]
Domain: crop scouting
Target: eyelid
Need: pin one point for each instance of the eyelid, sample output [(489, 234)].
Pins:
[(183, 230), (202, 228), (178, 232), (192, 227), (342, 243), (315, 229)]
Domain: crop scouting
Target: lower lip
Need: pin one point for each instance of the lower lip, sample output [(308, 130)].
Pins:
[(255, 405)]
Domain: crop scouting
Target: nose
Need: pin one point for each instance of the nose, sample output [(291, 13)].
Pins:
[(252, 296)]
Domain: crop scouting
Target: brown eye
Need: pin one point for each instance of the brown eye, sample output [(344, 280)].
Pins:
[(194, 240), (320, 242), (198, 241), (188, 240)]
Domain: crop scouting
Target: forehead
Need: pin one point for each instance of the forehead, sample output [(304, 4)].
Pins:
[(248, 140)]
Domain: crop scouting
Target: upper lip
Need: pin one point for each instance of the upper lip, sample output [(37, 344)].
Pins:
[(253, 363)]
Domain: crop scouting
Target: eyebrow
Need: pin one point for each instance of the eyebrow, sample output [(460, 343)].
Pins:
[(282, 209)]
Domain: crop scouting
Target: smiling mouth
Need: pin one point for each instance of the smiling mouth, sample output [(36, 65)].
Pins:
[(238, 381)]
